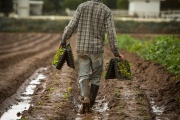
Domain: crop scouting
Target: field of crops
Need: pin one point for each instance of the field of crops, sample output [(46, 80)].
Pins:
[(152, 93), (164, 50)]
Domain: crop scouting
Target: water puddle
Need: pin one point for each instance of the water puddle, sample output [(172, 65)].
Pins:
[(158, 110), (99, 111), (26, 92)]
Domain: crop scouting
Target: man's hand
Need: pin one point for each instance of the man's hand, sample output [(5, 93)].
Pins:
[(121, 56), (63, 45)]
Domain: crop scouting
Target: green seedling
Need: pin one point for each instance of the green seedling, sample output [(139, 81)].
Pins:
[(69, 89), (65, 96), (178, 100), (55, 82), (69, 81), (58, 54), (34, 109), (40, 103), (139, 99), (56, 111), (23, 118), (144, 114), (146, 117), (136, 91), (56, 73), (122, 69), (120, 104), (104, 73), (117, 92), (51, 89), (48, 95)]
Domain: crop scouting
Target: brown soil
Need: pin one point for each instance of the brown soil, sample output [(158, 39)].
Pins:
[(22, 54)]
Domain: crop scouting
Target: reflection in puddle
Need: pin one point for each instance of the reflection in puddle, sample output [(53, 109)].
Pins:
[(157, 110), (101, 108), (11, 114), (15, 111)]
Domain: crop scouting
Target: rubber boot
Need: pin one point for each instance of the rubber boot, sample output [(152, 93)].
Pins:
[(84, 88), (94, 91), (85, 97)]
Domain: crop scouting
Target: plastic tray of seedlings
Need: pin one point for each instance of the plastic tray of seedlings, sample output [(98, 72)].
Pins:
[(69, 56), (63, 55), (117, 68)]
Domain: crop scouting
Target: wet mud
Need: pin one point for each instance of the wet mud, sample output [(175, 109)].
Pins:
[(152, 94)]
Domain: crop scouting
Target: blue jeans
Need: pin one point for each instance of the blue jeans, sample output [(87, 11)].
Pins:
[(90, 67)]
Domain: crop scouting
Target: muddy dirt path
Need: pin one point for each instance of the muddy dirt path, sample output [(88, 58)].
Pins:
[(151, 94)]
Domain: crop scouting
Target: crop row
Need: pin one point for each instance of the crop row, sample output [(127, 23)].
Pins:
[(35, 25), (164, 50)]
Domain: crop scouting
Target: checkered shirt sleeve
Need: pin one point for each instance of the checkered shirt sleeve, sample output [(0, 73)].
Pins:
[(92, 20)]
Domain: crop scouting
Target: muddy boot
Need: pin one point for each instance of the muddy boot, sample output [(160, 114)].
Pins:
[(85, 97), (84, 88), (85, 108), (94, 91)]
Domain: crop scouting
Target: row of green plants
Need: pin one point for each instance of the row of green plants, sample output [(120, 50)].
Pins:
[(164, 50), (39, 25), (30, 25)]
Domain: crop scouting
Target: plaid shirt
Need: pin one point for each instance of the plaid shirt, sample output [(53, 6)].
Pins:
[(92, 19)]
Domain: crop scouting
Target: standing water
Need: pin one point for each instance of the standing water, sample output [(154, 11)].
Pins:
[(101, 108), (24, 100)]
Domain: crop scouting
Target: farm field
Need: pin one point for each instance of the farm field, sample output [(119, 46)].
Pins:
[(153, 93)]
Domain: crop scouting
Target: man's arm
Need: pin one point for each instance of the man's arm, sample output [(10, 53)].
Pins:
[(71, 27), (111, 34)]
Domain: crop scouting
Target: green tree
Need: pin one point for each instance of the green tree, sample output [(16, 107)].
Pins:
[(170, 5), (105, 2), (122, 4), (52, 6), (6, 6), (112, 4), (71, 4)]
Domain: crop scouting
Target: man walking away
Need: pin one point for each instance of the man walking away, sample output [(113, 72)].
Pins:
[(91, 19)]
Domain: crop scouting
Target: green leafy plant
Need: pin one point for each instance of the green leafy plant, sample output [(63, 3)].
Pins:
[(124, 69), (58, 54), (162, 49), (69, 81), (117, 92), (118, 68), (65, 96), (51, 89), (178, 100), (136, 91), (40, 102), (139, 99), (23, 118), (69, 89), (120, 104)]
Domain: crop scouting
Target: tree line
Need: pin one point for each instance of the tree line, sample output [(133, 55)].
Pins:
[(58, 6)]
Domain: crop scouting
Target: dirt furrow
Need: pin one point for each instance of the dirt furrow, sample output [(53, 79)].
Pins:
[(10, 59), (12, 39), (151, 88), (123, 98), (24, 44), (16, 74), (17, 69), (162, 88)]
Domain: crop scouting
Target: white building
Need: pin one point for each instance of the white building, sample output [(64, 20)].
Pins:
[(144, 8), (24, 8)]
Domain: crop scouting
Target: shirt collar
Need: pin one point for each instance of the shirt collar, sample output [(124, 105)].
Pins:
[(97, 1)]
